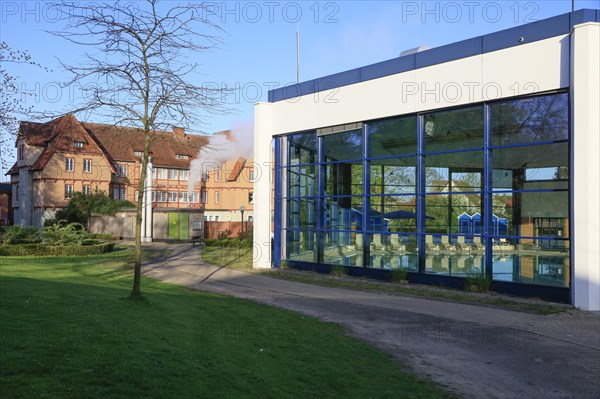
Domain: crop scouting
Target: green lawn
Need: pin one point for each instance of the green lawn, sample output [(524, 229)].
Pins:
[(236, 257), (68, 331)]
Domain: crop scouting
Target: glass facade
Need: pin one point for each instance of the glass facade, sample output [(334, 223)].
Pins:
[(474, 190)]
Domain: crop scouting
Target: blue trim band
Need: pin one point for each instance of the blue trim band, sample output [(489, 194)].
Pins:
[(532, 32)]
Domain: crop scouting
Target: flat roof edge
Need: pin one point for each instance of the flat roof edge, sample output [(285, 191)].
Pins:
[(531, 32)]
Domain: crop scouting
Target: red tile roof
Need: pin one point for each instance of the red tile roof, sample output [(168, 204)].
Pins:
[(121, 142), (117, 143)]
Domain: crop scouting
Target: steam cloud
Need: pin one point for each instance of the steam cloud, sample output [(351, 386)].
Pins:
[(221, 148)]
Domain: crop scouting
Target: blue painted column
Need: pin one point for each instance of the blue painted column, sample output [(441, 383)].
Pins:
[(366, 201), (421, 192), (320, 170), (488, 186)]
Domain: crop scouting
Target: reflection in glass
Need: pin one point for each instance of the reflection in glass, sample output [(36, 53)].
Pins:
[(394, 176), (515, 165), (533, 119), (454, 129), (393, 137), (342, 248), (302, 148), (463, 265), (301, 245), (343, 178), (393, 214), (533, 268), (343, 146)]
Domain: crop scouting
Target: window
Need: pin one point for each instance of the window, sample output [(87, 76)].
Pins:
[(217, 174), (120, 193), (217, 197), (161, 173), (69, 164), (210, 218), (161, 196), (173, 174), (204, 176), (16, 192), (181, 156), (194, 198), (87, 165), (251, 197), (138, 153), (183, 196), (22, 151), (78, 144), (203, 196), (87, 189), (173, 197), (251, 176), (68, 191), (122, 170), (184, 174), (250, 219)]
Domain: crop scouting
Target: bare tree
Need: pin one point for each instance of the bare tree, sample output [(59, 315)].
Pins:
[(11, 99), (140, 71)]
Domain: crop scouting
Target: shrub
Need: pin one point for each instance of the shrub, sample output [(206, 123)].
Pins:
[(55, 250), (223, 235), (397, 275), (478, 282), (338, 271), (63, 234), (101, 236), (18, 234)]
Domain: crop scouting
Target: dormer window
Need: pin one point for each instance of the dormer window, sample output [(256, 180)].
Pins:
[(78, 144), (138, 153), (181, 156)]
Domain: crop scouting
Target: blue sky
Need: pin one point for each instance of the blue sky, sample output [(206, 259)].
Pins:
[(259, 50)]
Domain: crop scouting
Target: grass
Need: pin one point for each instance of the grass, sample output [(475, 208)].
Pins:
[(399, 286), (239, 258), (68, 331)]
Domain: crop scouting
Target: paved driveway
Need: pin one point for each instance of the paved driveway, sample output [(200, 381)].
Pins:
[(474, 351)]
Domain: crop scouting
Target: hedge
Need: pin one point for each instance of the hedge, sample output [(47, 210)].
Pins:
[(54, 250)]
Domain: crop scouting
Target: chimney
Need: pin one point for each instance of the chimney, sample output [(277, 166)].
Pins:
[(179, 132)]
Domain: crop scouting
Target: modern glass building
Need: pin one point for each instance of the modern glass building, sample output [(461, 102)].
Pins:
[(472, 159)]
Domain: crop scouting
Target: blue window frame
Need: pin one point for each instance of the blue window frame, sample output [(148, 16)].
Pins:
[(475, 190)]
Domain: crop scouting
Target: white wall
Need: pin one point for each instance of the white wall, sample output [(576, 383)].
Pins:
[(528, 68), (585, 108), (263, 188)]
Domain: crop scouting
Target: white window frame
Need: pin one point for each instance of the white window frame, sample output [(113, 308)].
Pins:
[(161, 196), (173, 174), (173, 196), (161, 173), (195, 197), (68, 191), (217, 174), (183, 196), (87, 189), (122, 169), (78, 144), (69, 164), (184, 174), (217, 196), (87, 166)]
